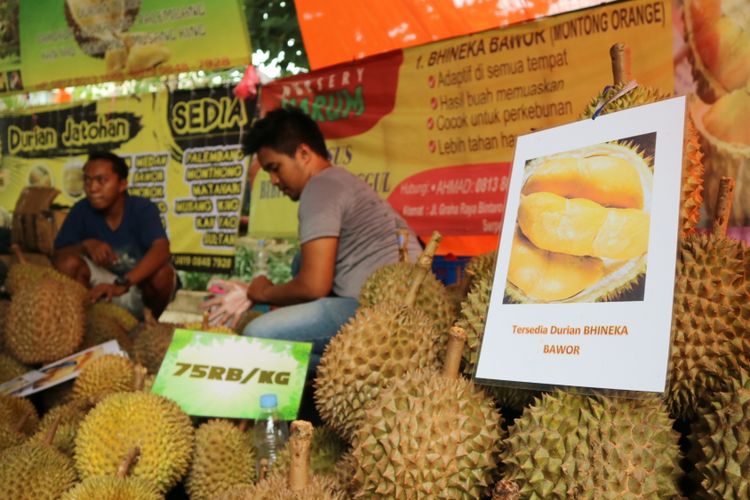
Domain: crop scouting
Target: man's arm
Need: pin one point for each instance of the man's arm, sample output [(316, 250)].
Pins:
[(156, 256), (314, 281), (99, 252)]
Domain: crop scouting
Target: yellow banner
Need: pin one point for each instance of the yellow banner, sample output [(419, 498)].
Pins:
[(184, 153), (433, 128)]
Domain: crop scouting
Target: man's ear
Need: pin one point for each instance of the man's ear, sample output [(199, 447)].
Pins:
[(303, 153), (123, 185)]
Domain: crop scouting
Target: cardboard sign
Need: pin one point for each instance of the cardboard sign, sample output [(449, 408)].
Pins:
[(59, 371), (217, 375), (583, 289)]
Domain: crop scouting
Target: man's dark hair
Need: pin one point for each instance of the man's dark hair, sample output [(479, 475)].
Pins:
[(283, 130), (119, 166)]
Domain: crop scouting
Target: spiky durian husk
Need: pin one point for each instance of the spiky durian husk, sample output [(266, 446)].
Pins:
[(10, 368), (10, 437), (427, 435), (710, 344), (13, 409), (103, 376), (478, 267), (106, 321), (379, 344), (4, 310), (392, 282), (24, 274), (46, 321), (326, 448), (223, 457), (722, 437), (35, 472), (343, 473), (472, 319), (691, 196), (150, 344), (572, 446), (113, 488), (70, 416), (275, 487), (125, 420)]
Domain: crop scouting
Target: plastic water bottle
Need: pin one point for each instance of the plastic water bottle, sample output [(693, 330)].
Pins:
[(270, 433), (261, 259)]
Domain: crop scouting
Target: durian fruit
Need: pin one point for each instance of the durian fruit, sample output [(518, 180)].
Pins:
[(223, 457), (428, 435), (725, 139), (66, 417), (380, 343), (116, 487), (710, 342), (245, 320), (4, 309), (150, 343), (721, 436), (574, 446), (717, 35), (125, 420), (23, 272), (326, 449), (691, 195), (10, 436), (106, 321), (35, 471), (392, 283), (300, 484), (204, 326), (10, 368), (46, 321), (472, 320), (14, 409), (103, 376)]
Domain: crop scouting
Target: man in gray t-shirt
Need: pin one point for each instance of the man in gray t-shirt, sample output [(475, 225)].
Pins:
[(346, 232)]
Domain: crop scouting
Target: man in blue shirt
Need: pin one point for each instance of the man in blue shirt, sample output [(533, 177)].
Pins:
[(115, 243)]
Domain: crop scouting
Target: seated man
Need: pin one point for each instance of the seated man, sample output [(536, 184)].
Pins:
[(115, 243), (346, 232)]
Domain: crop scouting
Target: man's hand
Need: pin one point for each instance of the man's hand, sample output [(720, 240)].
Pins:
[(100, 252), (228, 306), (106, 291), (255, 292)]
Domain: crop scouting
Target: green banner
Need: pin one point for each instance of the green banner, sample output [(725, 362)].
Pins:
[(217, 375), (75, 42)]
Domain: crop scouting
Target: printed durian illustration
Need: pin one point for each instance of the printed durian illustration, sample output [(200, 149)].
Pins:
[(101, 29), (583, 225)]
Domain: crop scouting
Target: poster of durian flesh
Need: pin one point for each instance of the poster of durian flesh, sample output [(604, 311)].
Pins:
[(584, 279), (183, 150), (218, 375)]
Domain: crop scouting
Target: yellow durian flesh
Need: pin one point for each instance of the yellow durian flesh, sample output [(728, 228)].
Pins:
[(548, 276)]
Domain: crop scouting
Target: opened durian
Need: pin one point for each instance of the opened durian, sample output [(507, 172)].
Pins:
[(300, 484), (428, 435), (98, 26), (103, 376), (571, 446), (380, 343), (224, 457), (125, 420)]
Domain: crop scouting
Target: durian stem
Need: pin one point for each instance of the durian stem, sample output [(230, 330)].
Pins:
[(300, 436), (424, 265), (204, 322), (50, 436), (243, 425), (621, 59), (723, 206), (263, 472), (18, 253), (139, 377), (456, 341), (22, 421), (124, 468), (403, 245), (149, 317)]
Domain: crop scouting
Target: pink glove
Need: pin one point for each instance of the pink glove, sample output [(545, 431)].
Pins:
[(227, 308)]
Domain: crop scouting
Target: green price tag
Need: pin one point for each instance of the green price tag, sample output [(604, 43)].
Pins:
[(216, 375)]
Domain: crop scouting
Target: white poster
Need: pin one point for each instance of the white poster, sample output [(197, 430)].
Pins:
[(583, 289)]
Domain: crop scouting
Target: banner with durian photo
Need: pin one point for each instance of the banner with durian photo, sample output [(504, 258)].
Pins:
[(75, 42), (184, 153)]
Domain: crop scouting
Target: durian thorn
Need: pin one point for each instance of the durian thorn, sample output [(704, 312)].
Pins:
[(263, 471), (124, 468), (403, 245), (50, 436), (424, 265), (621, 59), (243, 425), (300, 437), (454, 352), (139, 377), (149, 317), (22, 422), (18, 253), (723, 206), (204, 322)]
